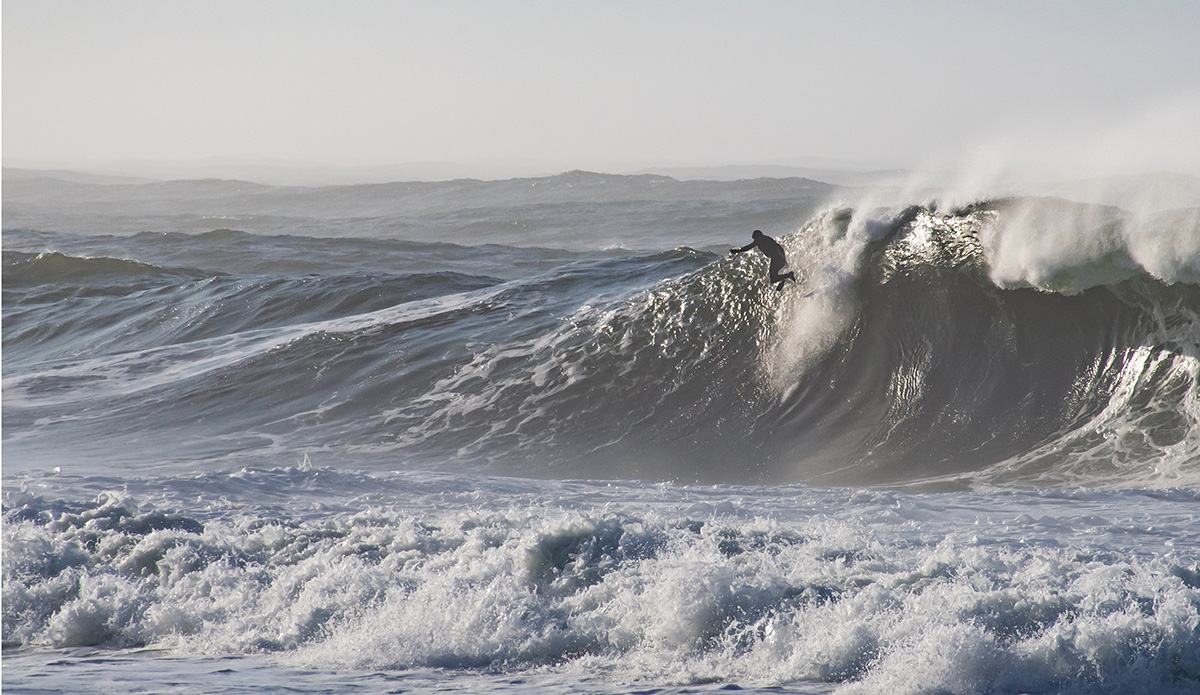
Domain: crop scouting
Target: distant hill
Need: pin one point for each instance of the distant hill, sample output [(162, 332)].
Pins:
[(21, 174), (280, 175), (738, 172), (535, 208)]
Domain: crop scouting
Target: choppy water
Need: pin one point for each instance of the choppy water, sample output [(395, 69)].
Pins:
[(545, 434)]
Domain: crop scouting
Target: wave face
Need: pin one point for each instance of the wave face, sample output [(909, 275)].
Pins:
[(1028, 342)]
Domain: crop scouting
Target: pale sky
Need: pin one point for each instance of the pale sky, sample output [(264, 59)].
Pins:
[(609, 85)]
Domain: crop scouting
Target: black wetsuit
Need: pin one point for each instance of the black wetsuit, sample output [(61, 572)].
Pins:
[(773, 251)]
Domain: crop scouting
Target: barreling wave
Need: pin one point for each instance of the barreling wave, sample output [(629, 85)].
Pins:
[(1026, 343), (974, 359), (900, 358)]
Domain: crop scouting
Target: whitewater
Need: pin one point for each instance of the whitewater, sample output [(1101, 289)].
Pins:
[(547, 435)]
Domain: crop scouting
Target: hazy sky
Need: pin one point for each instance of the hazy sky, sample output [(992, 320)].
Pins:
[(607, 85)]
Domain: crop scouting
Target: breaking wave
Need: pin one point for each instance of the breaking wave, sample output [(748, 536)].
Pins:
[(920, 346), (623, 582)]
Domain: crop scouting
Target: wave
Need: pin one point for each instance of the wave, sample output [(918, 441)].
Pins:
[(34, 269), (1084, 372), (235, 252), (152, 309), (868, 589), (920, 347), (898, 359)]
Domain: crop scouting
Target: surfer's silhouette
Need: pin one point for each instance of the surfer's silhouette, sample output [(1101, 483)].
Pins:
[(774, 252)]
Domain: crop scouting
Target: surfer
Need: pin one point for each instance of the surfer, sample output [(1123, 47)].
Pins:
[(774, 252)]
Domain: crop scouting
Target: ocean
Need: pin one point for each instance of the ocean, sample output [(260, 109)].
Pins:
[(547, 435)]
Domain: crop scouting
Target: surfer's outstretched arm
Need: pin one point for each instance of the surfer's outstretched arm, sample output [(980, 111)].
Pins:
[(747, 247)]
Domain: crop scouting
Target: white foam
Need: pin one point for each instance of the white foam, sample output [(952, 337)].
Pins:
[(1088, 216), (826, 254), (1070, 248), (872, 592)]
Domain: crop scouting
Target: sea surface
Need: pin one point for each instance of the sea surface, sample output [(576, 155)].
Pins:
[(546, 435)]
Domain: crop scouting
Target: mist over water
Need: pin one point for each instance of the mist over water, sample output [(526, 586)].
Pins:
[(466, 433)]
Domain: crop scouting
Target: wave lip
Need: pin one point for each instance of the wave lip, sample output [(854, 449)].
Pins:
[(1064, 246)]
